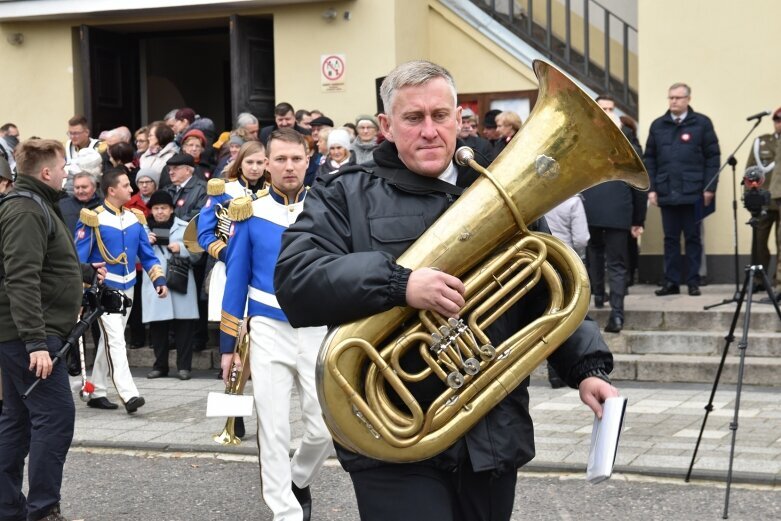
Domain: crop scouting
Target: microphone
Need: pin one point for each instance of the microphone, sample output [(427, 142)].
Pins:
[(759, 115)]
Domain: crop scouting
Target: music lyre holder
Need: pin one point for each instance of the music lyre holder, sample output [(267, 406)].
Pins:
[(732, 162), (747, 290)]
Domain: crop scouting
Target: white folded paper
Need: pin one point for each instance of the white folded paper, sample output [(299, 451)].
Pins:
[(604, 440), (229, 405)]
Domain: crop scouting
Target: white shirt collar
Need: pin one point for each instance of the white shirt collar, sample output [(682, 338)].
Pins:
[(450, 175), (682, 116)]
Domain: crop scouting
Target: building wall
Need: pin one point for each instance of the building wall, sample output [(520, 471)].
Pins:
[(724, 52), (37, 90)]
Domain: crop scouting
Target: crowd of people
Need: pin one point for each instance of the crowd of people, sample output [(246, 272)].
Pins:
[(132, 196)]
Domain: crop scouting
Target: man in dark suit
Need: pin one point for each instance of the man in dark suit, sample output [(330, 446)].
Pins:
[(682, 157)]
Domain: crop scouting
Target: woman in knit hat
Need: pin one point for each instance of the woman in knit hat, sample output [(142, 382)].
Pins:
[(366, 140), (338, 152), (178, 311), (194, 143)]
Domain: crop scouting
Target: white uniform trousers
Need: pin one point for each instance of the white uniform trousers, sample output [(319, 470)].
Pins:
[(111, 358), (282, 357)]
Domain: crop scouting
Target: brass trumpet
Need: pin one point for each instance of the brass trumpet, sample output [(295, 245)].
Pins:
[(567, 145), (236, 381)]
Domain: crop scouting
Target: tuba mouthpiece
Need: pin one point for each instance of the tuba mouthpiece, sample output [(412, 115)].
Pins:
[(464, 155)]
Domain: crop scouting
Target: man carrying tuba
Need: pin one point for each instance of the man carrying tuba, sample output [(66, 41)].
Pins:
[(338, 264)]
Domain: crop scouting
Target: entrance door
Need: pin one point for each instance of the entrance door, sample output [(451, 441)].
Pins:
[(110, 65), (252, 67)]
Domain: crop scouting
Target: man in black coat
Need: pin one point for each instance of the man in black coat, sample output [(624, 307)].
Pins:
[(85, 195), (682, 157), (614, 210), (338, 264), (188, 192), (284, 117)]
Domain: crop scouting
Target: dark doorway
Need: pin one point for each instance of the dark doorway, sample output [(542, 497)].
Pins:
[(110, 79), (134, 74)]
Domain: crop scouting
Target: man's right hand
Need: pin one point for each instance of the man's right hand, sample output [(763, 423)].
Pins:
[(226, 364), (41, 364), (434, 290)]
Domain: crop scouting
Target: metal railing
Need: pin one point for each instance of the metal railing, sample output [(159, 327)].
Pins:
[(552, 36)]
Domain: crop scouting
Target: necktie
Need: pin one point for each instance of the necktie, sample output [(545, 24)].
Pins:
[(677, 121)]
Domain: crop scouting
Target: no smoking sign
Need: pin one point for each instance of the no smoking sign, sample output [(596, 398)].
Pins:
[(332, 72)]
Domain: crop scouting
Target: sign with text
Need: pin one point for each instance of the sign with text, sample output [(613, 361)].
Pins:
[(332, 71)]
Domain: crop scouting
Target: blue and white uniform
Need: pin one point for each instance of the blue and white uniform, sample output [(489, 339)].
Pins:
[(220, 194), (281, 357), (117, 237)]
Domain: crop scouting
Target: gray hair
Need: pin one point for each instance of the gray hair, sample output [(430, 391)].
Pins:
[(87, 175), (681, 85), (412, 74), (170, 115), (246, 118)]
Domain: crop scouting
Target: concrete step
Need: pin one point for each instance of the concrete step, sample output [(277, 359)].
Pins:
[(698, 343), (763, 318), (679, 368)]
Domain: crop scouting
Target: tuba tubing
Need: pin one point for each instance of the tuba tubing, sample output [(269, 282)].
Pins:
[(567, 145)]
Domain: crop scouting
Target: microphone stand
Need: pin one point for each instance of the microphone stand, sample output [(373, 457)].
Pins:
[(732, 162)]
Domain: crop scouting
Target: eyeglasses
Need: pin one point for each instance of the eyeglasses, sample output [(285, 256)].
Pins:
[(676, 98), (142, 141)]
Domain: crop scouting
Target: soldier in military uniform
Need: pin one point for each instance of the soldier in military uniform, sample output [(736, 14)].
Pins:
[(763, 154), (116, 236), (245, 177), (281, 357)]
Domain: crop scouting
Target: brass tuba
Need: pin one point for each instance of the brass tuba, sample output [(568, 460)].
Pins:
[(567, 145)]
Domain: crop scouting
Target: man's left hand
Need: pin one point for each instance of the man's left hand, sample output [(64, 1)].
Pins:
[(594, 391), (41, 364), (162, 291), (708, 197)]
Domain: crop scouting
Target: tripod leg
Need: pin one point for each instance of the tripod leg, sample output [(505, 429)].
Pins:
[(770, 292), (728, 340), (742, 345)]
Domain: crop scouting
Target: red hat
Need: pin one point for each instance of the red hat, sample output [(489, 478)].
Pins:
[(197, 133), (185, 113)]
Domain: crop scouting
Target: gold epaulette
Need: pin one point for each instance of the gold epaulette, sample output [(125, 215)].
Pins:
[(263, 192), (240, 209), (139, 215), (215, 187), (89, 217)]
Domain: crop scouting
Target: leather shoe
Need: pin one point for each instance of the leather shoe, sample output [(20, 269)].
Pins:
[(184, 374), (155, 373), (614, 325), (134, 403), (238, 427), (304, 498), (102, 403), (667, 289), (599, 301), (694, 291)]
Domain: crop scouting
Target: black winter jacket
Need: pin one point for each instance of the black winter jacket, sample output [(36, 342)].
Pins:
[(338, 264), (189, 201), (615, 204), (682, 159)]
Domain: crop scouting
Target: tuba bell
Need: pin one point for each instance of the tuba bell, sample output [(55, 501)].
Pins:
[(567, 145)]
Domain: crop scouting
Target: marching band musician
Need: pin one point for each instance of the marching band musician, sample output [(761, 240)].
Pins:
[(338, 264), (245, 177), (116, 236), (281, 357)]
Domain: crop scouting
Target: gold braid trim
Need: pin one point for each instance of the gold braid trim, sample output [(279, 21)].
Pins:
[(216, 247), (139, 215), (229, 324), (240, 209), (89, 217), (215, 187), (110, 259), (155, 272)]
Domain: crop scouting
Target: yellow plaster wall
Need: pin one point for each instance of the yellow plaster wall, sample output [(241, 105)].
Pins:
[(36, 92), (726, 57), (476, 63)]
